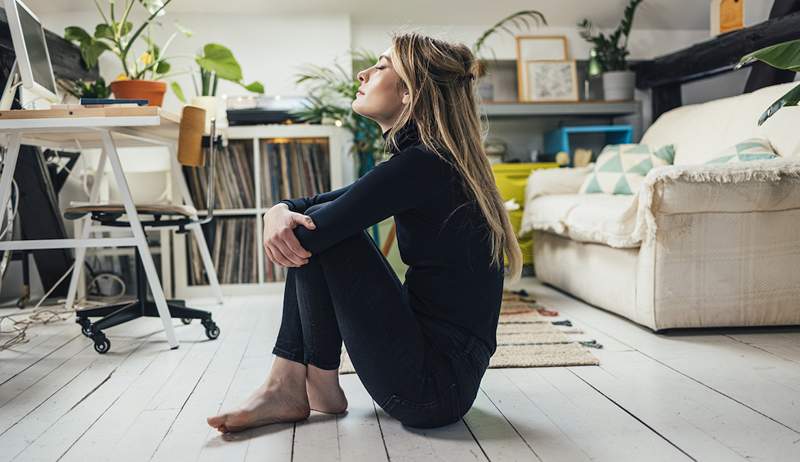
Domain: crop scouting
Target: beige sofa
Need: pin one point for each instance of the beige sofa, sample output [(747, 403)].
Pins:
[(698, 245)]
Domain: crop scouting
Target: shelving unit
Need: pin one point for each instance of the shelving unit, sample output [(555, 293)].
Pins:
[(342, 171)]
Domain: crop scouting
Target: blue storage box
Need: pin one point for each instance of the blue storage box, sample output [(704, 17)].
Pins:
[(558, 140)]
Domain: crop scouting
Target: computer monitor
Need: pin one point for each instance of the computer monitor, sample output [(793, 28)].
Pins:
[(30, 46)]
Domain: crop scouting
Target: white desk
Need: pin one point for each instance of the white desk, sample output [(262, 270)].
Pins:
[(107, 129)]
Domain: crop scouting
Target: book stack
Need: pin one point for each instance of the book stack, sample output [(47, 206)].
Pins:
[(234, 179), (233, 243), (291, 168)]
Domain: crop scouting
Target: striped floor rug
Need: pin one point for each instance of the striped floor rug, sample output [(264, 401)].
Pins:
[(530, 335)]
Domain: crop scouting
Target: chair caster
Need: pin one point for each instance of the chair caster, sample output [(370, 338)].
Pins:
[(212, 330), (86, 326), (101, 343), (186, 321)]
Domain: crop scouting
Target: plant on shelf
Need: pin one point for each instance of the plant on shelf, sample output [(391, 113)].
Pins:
[(215, 63), (330, 95), (785, 56), (140, 77), (526, 18), (610, 53)]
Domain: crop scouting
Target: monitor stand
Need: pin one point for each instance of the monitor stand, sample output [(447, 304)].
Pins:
[(12, 83)]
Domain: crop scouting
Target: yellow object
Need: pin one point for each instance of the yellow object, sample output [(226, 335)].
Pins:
[(122, 76), (146, 58), (511, 180)]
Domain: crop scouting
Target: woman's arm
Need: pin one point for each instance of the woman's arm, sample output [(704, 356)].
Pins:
[(402, 182), (300, 205)]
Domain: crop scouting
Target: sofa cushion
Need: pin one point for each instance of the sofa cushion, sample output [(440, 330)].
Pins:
[(620, 168), (743, 151), (699, 131), (603, 218)]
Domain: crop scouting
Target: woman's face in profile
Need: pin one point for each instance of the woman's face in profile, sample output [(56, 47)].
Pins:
[(380, 96)]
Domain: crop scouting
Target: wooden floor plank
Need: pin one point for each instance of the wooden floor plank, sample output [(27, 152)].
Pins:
[(252, 372), (75, 379), (360, 437), (784, 345), (448, 443), (495, 434), (153, 359), (42, 340), (189, 433), (594, 424), (703, 423), (755, 378), (107, 433)]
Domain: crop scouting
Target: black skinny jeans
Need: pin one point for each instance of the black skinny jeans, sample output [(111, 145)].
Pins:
[(421, 371)]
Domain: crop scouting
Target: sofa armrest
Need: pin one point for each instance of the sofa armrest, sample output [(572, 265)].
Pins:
[(754, 186)]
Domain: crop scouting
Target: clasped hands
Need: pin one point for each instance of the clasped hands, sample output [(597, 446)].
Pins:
[(280, 243)]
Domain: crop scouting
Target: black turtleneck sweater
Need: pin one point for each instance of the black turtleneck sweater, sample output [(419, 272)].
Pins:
[(449, 275)]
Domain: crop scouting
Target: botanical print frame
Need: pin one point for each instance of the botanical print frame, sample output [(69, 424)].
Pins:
[(537, 48), (550, 81)]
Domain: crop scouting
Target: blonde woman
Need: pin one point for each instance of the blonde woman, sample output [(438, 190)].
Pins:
[(421, 347)]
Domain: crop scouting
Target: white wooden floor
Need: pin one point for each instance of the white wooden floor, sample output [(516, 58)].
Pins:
[(711, 395)]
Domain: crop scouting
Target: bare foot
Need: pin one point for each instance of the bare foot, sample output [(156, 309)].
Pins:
[(328, 398), (265, 406)]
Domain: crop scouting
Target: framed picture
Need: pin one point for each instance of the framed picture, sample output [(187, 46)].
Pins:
[(537, 48), (550, 81)]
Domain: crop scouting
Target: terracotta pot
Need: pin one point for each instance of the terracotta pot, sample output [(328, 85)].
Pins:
[(151, 90)]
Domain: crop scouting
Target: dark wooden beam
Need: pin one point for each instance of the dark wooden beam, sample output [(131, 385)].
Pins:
[(717, 55), (65, 57)]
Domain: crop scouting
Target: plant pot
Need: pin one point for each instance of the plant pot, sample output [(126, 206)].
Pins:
[(618, 85), (151, 90), (209, 103)]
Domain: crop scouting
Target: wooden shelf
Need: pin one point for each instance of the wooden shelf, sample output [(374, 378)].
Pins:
[(577, 108)]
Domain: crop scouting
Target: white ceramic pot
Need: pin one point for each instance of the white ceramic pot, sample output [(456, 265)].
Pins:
[(209, 103), (618, 85)]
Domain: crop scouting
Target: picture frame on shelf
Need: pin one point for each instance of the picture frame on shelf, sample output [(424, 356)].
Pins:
[(550, 81), (537, 48)]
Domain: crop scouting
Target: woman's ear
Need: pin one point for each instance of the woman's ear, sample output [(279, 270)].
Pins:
[(406, 97)]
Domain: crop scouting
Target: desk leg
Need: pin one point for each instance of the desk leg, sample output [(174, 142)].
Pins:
[(9, 165), (138, 234), (197, 231), (86, 226)]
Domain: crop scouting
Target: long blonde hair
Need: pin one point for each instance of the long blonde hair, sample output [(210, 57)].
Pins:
[(440, 78)]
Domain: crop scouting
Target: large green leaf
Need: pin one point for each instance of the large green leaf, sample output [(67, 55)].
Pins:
[(255, 87), (784, 55), (76, 34), (178, 91), (789, 99), (219, 59)]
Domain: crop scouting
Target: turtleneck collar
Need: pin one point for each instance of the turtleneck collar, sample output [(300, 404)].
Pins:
[(406, 137)]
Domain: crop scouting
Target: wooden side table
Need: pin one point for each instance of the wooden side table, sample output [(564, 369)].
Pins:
[(511, 179)]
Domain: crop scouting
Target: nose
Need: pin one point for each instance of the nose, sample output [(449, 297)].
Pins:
[(362, 76)]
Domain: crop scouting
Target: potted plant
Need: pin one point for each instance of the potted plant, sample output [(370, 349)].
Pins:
[(216, 62), (330, 94), (610, 52), (518, 20), (786, 56), (140, 77)]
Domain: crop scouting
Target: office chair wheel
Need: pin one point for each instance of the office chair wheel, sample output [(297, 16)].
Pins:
[(212, 330), (101, 343), (86, 326), (186, 321)]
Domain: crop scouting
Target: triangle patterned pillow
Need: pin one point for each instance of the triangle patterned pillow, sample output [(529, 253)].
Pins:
[(621, 168), (743, 151)]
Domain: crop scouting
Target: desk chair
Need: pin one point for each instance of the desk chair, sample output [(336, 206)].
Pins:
[(190, 153)]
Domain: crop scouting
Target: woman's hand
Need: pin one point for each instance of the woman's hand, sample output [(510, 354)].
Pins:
[(280, 243)]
